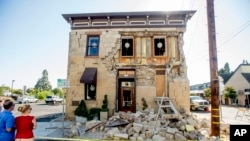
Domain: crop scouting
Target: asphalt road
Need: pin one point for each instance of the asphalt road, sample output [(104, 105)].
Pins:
[(41, 109)]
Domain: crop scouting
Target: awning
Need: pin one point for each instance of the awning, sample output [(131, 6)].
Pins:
[(89, 75)]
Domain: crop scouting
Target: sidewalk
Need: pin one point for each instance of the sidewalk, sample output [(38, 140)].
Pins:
[(228, 115), (235, 115), (54, 129)]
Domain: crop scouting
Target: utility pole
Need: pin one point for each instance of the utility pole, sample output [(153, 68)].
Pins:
[(12, 87), (214, 80)]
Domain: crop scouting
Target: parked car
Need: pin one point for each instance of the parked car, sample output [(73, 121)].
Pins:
[(53, 99), (196, 102), (27, 99)]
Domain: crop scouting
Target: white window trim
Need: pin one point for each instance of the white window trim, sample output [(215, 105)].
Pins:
[(117, 23), (81, 24), (175, 22), (151, 22), (102, 23), (143, 22)]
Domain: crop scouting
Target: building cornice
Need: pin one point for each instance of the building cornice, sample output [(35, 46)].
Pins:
[(129, 19)]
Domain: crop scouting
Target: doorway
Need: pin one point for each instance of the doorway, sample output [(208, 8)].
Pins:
[(126, 96), (127, 99)]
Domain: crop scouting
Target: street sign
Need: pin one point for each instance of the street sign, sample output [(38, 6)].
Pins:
[(62, 83)]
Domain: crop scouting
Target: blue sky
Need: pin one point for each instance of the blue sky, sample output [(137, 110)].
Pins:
[(34, 36)]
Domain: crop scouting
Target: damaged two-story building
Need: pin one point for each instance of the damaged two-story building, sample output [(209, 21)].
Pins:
[(127, 56)]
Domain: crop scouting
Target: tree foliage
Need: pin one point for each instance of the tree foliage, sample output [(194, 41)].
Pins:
[(43, 83), (18, 91), (81, 110), (207, 92), (42, 94), (31, 91), (105, 104), (230, 92), (3, 89), (58, 91), (225, 70)]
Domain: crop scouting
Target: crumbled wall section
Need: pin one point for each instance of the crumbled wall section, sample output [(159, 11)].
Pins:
[(145, 76)]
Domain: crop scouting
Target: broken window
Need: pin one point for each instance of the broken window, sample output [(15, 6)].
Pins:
[(159, 46), (127, 47)]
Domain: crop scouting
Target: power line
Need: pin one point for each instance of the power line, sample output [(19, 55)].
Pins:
[(241, 28)]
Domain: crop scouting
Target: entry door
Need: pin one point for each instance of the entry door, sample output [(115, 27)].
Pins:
[(126, 101)]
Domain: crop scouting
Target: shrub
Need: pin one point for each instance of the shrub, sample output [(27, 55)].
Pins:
[(105, 104), (81, 110), (144, 104), (94, 112)]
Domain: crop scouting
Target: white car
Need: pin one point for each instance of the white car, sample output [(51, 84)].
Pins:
[(53, 99), (196, 102), (27, 99)]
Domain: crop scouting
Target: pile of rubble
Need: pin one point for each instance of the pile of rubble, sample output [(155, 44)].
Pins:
[(146, 125)]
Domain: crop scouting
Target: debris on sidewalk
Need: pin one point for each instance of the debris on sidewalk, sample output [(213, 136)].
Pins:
[(140, 126)]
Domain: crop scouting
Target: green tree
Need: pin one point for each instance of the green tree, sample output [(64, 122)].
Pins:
[(18, 91), (31, 91), (42, 94), (43, 83), (58, 91), (229, 92), (225, 70), (3, 89), (207, 92)]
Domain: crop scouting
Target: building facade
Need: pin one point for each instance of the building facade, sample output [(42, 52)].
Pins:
[(240, 81), (128, 56)]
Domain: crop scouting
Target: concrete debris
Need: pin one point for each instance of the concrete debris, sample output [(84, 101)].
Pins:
[(144, 126)]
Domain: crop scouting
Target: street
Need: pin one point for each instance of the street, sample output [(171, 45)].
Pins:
[(228, 113), (41, 109)]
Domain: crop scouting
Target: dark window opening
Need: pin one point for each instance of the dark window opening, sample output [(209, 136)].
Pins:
[(127, 47), (90, 91), (159, 46), (93, 46)]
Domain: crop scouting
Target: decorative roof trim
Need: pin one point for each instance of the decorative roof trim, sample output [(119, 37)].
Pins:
[(129, 19)]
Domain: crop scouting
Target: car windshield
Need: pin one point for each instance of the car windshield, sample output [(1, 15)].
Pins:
[(196, 98), (49, 96)]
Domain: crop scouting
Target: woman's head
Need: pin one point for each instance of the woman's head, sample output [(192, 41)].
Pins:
[(24, 108)]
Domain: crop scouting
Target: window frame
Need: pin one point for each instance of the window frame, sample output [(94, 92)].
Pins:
[(163, 40), (130, 40), (87, 91), (89, 46)]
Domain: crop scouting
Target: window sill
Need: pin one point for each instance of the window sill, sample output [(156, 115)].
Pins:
[(92, 57)]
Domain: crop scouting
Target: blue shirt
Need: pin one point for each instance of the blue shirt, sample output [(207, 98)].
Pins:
[(7, 120)]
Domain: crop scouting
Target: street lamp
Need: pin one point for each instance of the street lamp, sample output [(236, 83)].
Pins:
[(12, 86)]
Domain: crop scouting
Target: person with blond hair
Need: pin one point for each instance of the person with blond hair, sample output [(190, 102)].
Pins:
[(25, 123)]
